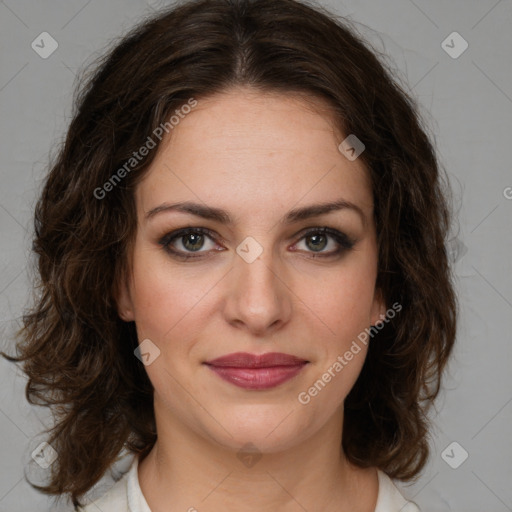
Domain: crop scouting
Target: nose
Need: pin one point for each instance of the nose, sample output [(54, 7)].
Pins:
[(258, 298)]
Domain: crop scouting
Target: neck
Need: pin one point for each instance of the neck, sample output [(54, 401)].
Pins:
[(187, 471)]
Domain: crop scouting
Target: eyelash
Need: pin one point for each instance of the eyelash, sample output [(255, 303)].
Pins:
[(345, 243)]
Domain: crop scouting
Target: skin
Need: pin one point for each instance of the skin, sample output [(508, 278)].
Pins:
[(257, 156)]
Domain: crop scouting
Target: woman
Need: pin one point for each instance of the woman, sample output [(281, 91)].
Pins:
[(244, 280)]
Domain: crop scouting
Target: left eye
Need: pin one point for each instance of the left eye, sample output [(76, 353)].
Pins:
[(192, 240), (317, 242), (318, 239)]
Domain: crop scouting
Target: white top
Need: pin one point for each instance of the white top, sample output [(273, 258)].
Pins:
[(126, 496)]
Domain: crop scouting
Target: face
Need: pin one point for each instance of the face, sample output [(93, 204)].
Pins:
[(243, 271)]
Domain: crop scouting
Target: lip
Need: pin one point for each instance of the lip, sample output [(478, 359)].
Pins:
[(253, 371)]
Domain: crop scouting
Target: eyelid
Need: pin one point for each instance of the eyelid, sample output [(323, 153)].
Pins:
[(333, 232)]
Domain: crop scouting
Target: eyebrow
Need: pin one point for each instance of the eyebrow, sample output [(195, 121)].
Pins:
[(222, 216)]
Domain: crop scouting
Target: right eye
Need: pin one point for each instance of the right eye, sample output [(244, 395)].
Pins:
[(191, 240)]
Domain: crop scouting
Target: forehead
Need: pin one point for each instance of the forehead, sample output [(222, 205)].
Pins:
[(250, 150)]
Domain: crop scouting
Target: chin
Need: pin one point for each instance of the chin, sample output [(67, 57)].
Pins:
[(270, 429)]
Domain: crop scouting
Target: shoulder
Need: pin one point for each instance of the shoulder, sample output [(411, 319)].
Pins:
[(390, 499), (114, 500), (124, 496)]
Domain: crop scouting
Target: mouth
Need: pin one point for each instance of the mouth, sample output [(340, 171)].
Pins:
[(252, 371)]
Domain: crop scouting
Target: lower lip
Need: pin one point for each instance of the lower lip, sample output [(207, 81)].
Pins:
[(257, 378)]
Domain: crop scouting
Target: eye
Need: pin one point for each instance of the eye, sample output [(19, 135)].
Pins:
[(185, 241), (317, 239)]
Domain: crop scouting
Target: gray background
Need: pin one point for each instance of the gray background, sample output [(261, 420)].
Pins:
[(467, 104)]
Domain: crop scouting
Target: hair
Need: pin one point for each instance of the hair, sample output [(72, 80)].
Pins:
[(78, 354)]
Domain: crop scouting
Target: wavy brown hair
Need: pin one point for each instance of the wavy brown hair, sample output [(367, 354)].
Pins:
[(76, 351)]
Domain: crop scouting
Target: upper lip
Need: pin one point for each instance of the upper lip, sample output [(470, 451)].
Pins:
[(246, 360)]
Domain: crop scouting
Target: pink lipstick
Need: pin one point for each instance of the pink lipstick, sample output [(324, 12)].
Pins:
[(252, 371)]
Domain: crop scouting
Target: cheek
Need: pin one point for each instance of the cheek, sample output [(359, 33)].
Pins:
[(162, 297), (342, 300), (164, 306), (173, 303)]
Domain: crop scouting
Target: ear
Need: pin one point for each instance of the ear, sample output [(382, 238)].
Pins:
[(378, 311), (124, 302)]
